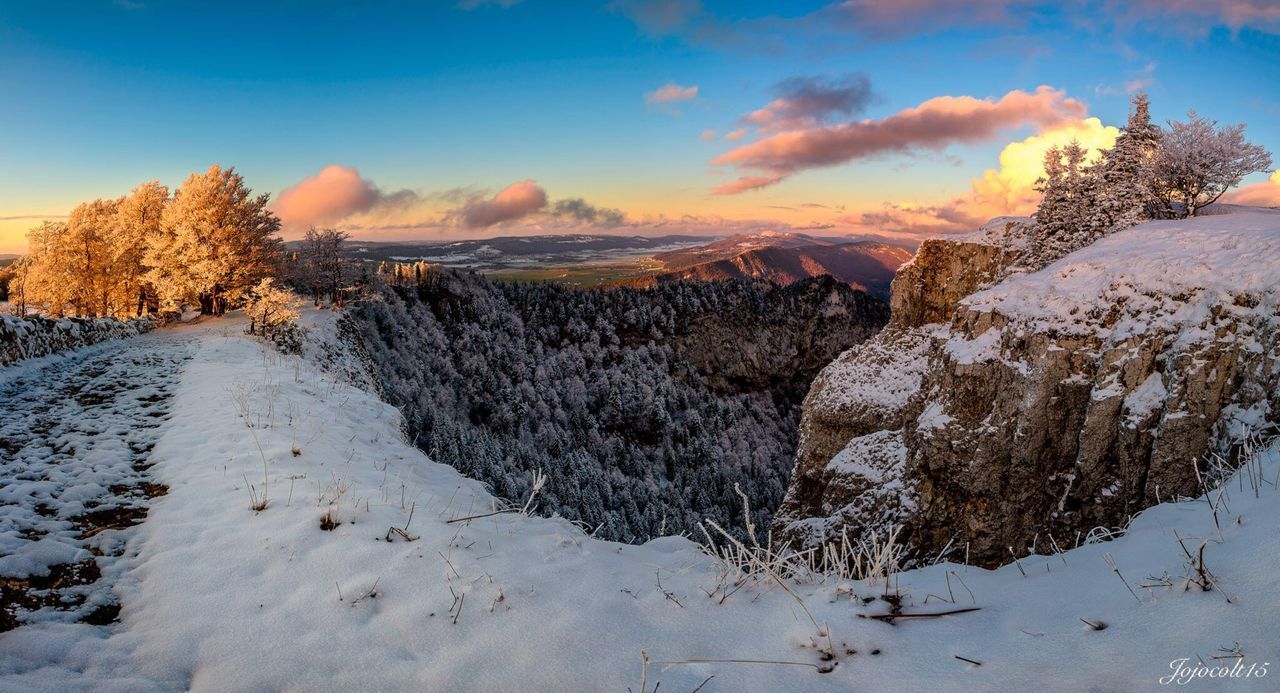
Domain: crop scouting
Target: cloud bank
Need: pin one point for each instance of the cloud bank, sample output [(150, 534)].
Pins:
[(1265, 194), (333, 195), (933, 125), (339, 196), (512, 202), (1007, 190), (580, 210)]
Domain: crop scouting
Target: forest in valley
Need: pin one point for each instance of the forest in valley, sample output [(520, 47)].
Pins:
[(645, 408)]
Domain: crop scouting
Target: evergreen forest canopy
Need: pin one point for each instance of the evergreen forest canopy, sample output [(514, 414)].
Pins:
[(644, 407)]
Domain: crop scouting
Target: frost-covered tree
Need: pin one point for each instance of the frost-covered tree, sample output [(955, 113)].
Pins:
[(209, 244), (47, 272), (322, 264), (217, 241), (1126, 173), (1067, 217), (638, 404), (270, 307), (1199, 161), (137, 223)]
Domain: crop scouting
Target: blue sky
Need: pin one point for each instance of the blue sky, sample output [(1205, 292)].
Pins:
[(432, 97)]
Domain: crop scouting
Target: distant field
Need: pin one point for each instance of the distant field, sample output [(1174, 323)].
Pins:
[(584, 275)]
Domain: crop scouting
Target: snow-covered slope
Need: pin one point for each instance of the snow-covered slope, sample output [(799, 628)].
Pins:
[(220, 597)]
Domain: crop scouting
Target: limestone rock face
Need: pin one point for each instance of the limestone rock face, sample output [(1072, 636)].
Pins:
[(1049, 403), (945, 270)]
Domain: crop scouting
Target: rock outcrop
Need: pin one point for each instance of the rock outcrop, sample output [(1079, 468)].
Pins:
[(1000, 408), (34, 336)]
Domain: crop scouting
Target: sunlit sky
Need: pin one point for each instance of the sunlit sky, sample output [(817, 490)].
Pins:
[(439, 120)]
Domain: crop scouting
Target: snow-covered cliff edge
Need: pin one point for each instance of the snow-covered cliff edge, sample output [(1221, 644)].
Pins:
[(1049, 403)]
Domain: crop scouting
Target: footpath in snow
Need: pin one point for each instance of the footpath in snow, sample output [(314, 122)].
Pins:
[(359, 571), (76, 431)]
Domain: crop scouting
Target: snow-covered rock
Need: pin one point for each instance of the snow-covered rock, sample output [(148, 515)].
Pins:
[(35, 336), (1052, 402)]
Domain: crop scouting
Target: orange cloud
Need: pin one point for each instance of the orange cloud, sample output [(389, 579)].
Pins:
[(1266, 194), (512, 202), (1010, 189), (934, 124), (744, 184), (333, 194)]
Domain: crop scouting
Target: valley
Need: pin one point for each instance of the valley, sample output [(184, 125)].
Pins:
[(604, 261)]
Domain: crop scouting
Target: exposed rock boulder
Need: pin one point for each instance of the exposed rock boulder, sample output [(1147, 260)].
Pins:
[(1050, 403)]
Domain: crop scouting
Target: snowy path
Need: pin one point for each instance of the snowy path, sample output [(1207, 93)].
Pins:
[(76, 432)]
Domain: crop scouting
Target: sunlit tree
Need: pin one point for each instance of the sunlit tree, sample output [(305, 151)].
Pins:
[(217, 241)]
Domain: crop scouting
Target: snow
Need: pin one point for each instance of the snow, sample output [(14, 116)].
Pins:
[(216, 596), (982, 348), (1145, 399), (877, 457), (933, 417), (1156, 276), (72, 428), (880, 374), (1012, 233)]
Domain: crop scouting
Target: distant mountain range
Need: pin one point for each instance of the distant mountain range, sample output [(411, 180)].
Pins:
[(783, 257), (786, 258), (486, 252)]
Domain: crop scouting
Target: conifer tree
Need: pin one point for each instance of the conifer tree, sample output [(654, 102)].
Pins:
[(1067, 218), (1126, 172)]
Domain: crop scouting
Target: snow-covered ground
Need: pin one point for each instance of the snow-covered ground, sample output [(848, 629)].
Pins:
[(75, 432), (403, 594), (1230, 261)]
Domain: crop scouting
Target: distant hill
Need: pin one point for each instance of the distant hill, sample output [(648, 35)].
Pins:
[(516, 250), (786, 258)]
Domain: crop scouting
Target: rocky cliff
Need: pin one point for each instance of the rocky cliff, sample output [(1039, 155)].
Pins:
[(1001, 407)]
